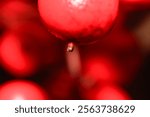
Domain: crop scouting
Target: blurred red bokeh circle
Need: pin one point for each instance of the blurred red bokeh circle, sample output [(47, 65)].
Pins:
[(21, 90)]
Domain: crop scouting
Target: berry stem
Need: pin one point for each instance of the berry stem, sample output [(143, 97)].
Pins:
[(73, 59)]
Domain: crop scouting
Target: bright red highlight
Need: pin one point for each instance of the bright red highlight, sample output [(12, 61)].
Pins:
[(21, 90), (78, 19)]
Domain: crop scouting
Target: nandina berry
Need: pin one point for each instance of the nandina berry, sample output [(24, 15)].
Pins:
[(105, 92), (78, 20), (28, 48), (16, 12), (21, 90)]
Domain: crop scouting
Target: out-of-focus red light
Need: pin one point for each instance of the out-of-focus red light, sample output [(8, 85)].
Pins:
[(106, 92), (13, 57), (21, 90), (27, 48), (111, 93), (78, 19), (100, 69), (14, 12)]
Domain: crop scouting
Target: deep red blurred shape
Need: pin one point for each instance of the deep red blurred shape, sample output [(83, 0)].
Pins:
[(13, 57), (14, 12), (106, 92), (136, 1), (27, 48), (21, 90), (99, 69), (60, 85), (130, 5)]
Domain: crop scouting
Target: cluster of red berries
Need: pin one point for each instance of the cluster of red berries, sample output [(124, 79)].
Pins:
[(33, 35)]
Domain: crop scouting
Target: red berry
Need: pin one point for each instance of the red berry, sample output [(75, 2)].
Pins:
[(21, 90), (106, 92), (119, 54), (99, 69), (14, 12), (111, 93), (80, 20), (28, 48), (13, 57)]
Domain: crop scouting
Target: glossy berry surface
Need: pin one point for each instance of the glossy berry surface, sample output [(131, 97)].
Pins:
[(79, 20)]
